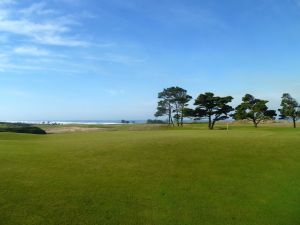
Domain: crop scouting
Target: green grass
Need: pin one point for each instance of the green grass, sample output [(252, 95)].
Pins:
[(152, 176)]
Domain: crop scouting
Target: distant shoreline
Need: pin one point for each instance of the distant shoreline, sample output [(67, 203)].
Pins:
[(69, 122), (108, 122)]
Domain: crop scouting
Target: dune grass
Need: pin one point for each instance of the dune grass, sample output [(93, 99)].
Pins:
[(155, 176)]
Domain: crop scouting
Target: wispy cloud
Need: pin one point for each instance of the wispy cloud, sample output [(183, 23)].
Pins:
[(59, 41), (72, 2), (176, 14), (31, 50), (38, 9), (6, 2), (116, 58), (194, 17), (114, 92), (29, 68), (54, 31), (3, 58)]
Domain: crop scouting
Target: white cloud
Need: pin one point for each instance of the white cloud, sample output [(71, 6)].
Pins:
[(8, 66), (7, 2), (37, 8), (114, 92), (3, 14), (116, 58), (177, 14), (31, 50), (3, 58), (71, 2), (54, 31), (124, 59), (59, 41)]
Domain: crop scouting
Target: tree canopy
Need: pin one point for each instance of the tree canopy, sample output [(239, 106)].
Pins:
[(290, 109), (213, 107), (253, 109), (173, 102)]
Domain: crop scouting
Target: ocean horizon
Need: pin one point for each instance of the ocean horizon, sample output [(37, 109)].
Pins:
[(66, 122), (93, 122)]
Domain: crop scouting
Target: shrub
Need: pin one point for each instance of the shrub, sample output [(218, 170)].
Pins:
[(21, 128)]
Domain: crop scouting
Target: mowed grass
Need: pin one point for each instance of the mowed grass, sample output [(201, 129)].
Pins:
[(152, 177)]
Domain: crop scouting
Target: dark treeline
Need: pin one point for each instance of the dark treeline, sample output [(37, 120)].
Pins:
[(174, 101), (20, 128)]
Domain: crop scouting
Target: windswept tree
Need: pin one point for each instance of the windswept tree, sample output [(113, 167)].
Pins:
[(253, 109), (172, 103), (164, 107), (290, 109), (212, 107), (181, 99)]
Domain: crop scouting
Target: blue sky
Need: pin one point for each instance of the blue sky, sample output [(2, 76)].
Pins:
[(108, 59)]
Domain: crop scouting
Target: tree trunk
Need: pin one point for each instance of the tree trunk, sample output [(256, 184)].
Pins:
[(294, 121), (172, 121), (255, 123), (209, 122), (213, 124), (170, 115), (181, 120)]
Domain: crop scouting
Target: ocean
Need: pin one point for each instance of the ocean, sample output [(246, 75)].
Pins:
[(65, 122)]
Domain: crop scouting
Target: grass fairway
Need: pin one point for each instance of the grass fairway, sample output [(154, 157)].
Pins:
[(152, 177)]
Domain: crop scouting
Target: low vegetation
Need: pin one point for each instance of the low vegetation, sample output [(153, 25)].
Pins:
[(155, 122), (21, 128)]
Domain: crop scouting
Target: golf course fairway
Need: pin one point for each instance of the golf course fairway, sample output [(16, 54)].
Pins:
[(180, 176)]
